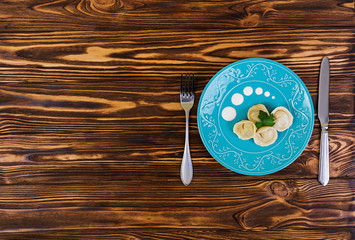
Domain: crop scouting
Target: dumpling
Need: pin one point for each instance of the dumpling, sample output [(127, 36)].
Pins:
[(283, 118), (245, 129), (253, 112), (265, 136)]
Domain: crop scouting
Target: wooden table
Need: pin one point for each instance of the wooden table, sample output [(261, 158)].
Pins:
[(92, 131)]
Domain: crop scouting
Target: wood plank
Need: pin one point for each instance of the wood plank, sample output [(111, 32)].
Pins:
[(240, 205), (208, 234), (108, 56), (42, 15), (48, 160), (119, 100)]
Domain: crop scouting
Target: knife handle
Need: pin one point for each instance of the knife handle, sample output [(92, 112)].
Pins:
[(323, 176)]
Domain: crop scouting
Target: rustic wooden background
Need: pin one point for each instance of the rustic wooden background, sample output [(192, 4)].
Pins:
[(92, 132)]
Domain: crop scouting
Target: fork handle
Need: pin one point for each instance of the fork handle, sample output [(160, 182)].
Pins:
[(186, 164)]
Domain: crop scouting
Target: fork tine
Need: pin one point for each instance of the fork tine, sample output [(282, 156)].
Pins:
[(186, 79), (181, 90), (189, 85), (193, 84)]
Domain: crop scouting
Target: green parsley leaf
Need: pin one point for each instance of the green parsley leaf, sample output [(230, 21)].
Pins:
[(258, 124), (266, 120), (262, 115), (269, 121)]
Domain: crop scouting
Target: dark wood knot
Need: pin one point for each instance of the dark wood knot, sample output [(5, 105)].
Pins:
[(252, 20), (109, 6), (279, 189)]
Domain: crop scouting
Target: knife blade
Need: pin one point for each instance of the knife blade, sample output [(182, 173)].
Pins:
[(323, 116)]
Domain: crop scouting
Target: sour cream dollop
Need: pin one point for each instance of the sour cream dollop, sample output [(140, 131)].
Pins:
[(229, 113)]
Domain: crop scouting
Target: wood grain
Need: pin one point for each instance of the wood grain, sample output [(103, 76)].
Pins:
[(180, 234), (240, 205), (106, 56), (42, 15), (71, 158)]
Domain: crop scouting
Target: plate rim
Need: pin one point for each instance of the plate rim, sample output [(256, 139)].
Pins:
[(251, 60)]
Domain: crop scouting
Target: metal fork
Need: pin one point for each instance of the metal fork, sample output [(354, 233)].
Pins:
[(187, 98)]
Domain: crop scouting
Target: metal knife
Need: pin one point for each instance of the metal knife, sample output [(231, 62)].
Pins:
[(323, 115)]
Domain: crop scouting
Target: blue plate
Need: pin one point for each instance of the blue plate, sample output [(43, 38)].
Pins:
[(273, 85)]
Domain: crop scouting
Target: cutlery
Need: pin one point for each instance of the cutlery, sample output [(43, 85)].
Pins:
[(187, 97), (323, 115)]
